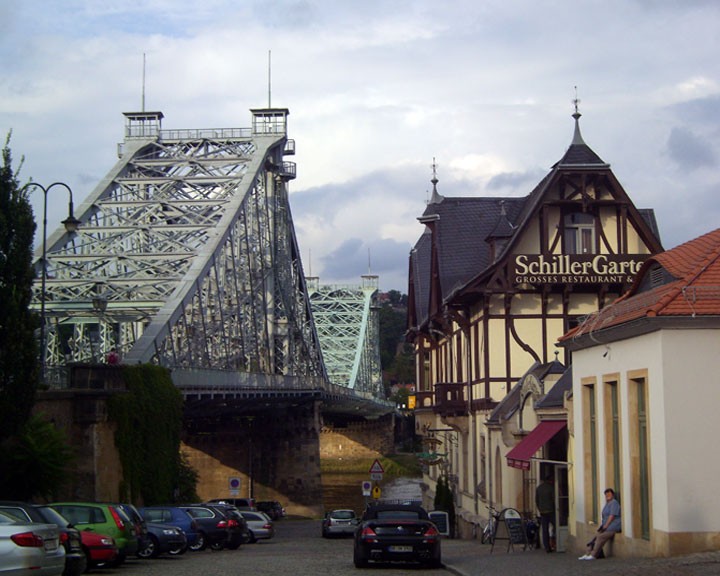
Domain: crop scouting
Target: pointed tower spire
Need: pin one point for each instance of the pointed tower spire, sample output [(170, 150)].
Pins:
[(436, 197), (579, 153), (577, 137)]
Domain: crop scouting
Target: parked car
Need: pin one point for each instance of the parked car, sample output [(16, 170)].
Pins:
[(239, 503), (342, 522), (75, 562), (105, 519), (30, 548), (211, 527), (272, 508), (260, 527), (237, 527), (133, 515), (161, 539), (99, 549), (396, 533), (174, 516)]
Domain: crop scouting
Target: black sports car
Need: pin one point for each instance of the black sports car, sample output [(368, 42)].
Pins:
[(397, 533)]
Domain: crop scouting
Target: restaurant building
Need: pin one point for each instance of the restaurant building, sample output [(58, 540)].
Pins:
[(493, 283)]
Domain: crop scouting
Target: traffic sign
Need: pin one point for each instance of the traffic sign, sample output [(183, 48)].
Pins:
[(366, 487), (376, 492), (376, 468), (376, 476)]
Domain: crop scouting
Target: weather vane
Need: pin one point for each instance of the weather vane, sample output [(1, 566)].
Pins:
[(576, 101)]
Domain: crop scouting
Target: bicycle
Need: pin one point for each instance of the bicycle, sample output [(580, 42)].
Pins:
[(488, 534)]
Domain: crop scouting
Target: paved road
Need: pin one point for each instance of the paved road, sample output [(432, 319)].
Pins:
[(298, 550)]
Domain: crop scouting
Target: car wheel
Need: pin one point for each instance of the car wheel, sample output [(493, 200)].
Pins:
[(89, 565), (359, 560), (434, 563), (178, 551), (150, 550), (119, 560), (216, 546), (252, 538), (200, 543)]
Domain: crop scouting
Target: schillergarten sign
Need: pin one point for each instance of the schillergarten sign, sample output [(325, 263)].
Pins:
[(576, 268)]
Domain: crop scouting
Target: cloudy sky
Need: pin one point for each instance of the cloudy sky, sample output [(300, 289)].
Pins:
[(376, 90)]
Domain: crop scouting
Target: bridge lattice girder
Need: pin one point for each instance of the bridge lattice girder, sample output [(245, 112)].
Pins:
[(186, 256), (347, 323)]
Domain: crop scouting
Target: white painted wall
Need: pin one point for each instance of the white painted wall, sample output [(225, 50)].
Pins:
[(684, 395), (691, 364)]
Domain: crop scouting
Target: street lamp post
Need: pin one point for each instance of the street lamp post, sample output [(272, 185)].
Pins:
[(71, 225)]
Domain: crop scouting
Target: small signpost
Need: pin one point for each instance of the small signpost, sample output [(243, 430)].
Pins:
[(234, 484), (366, 487), (376, 475), (510, 527)]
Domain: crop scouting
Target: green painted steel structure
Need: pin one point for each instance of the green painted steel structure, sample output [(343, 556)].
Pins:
[(347, 323)]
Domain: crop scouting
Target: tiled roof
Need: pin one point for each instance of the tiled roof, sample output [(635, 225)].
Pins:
[(691, 287)]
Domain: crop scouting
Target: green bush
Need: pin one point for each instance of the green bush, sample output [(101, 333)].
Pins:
[(149, 421)]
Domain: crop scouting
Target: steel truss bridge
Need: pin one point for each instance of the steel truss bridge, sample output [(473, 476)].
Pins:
[(186, 257)]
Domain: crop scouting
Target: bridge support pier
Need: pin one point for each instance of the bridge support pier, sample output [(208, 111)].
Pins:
[(268, 454)]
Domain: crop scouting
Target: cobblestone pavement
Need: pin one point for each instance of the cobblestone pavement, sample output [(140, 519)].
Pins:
[(471, 558)]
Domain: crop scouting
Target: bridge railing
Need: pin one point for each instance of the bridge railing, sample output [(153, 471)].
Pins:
[(208, 381), (210, 133)]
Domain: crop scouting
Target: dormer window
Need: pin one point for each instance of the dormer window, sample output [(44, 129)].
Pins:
[(579, 233)]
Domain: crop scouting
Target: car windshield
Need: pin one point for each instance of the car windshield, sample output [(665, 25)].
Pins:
[(343, 514), (398, 514), (53, 516), (17, 513)]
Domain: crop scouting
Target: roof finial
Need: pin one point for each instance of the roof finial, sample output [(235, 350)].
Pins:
[(575, 102), (577, 137), (436, 198)]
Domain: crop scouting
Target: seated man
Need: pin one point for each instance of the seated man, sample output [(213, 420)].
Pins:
[(610, 525)]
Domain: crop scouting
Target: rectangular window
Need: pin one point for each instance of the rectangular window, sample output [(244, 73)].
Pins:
[(640, 454), (613, 451), (579, 233), (426, 381), (590, 450)]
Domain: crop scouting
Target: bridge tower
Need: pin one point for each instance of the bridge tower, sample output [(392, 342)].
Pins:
[(186, 256), (348, 326)]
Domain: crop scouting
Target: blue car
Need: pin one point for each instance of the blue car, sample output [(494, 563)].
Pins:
[(173, 516)]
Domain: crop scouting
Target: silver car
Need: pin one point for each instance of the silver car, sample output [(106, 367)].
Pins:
[(339, 523), (260, 527), (30, 548)]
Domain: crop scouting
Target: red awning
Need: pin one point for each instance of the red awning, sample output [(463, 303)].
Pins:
[(519, 456)]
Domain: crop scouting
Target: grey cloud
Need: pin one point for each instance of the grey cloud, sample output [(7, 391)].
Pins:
[(690, 151), (703, 111), (520, 182), (354, 257)]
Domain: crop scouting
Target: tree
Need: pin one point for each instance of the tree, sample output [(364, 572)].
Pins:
[(19, 367), (36, 462)]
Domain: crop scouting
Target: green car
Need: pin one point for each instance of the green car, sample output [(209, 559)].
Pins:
[(104, 519)]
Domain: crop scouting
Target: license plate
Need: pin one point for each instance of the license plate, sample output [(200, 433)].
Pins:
[(400, 548)]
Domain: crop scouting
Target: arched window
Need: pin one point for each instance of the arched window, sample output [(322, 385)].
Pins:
[(579, 233)]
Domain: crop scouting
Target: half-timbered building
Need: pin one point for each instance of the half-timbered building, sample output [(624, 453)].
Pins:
[(493, 283)]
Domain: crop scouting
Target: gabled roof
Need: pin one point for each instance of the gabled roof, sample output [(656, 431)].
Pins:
[(511, 402), (471, 235), (680, 283)]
